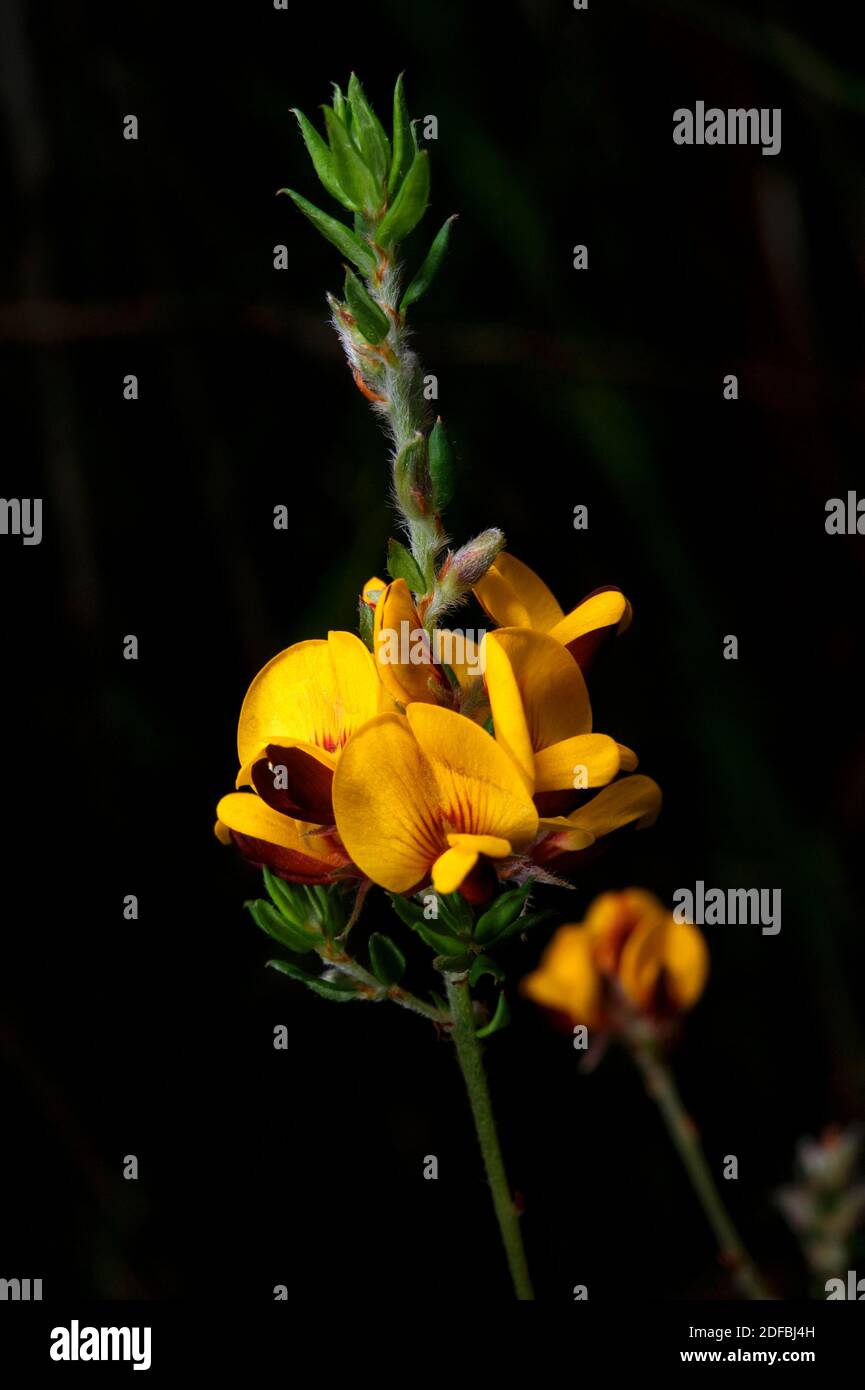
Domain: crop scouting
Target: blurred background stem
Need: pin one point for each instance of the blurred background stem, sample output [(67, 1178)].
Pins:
[(471, 1062), (661, 1087)]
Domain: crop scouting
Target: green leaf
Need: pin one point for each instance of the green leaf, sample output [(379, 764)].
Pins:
[(502, 912), (354, 174), (412, 915), (328, 989), (265, 916), (401, 564), (500, 1019), (340, 110), (283, 898), (520, 925), (372, 321), (442, 465), (365, 623), (453, 965), (403, 145), (410, 464), (387, 960), (430, 268), (483, 965), (342, 237), (456, 912), (409, 205), (322, 159), (368, 131)]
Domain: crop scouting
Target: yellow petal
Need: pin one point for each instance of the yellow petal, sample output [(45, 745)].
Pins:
[(463, 654), (636, 798), (222, 833), (385, 803), (628, 758), (567, 979), (373, 590), (247, 814), (452, 867), (491, 845), (397, 632), (537, 693), (594, 756), (514, 596), (480, 789), (609, 608), (316, 692), (686, 962)]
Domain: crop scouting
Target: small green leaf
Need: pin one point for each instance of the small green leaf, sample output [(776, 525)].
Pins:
[(452, 965), (483, 965), (368, 131), (409, 205), (387, 960), (342, 237), (340, 109), (322, 159), (502, 912), (500, 1019), (365, 623), (369, 317), (520, 925), (283, 898), (401, 564), (410, 465), (430, 268), (442, 465), (355, 176), (456, 912), (412, 915), (403, 145), (328, 989), (275, 925)]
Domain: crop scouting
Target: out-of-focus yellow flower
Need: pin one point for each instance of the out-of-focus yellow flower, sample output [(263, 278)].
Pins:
[(426, 796), (628, 948), (542, 715), (514, 596)]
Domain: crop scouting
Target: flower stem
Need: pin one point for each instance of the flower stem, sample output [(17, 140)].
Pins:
[(662, 1088), (471, 1062)]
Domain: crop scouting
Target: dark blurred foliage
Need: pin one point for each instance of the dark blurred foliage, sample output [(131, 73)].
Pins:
[(602, 388)]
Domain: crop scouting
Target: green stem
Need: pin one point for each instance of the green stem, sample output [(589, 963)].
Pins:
[(662, 1088), (471, 1061)]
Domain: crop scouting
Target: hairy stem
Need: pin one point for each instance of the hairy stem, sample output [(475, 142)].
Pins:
[(471, 1061)]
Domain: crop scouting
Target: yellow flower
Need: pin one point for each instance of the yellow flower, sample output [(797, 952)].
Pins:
[(429, 795), (514, 596), (298, 714), (634, 800), (628, 948), (542, 715)]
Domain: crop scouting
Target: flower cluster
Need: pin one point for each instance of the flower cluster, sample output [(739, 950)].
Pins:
[(405, 774)]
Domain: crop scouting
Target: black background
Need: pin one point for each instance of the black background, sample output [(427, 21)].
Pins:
[(603, 387)]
